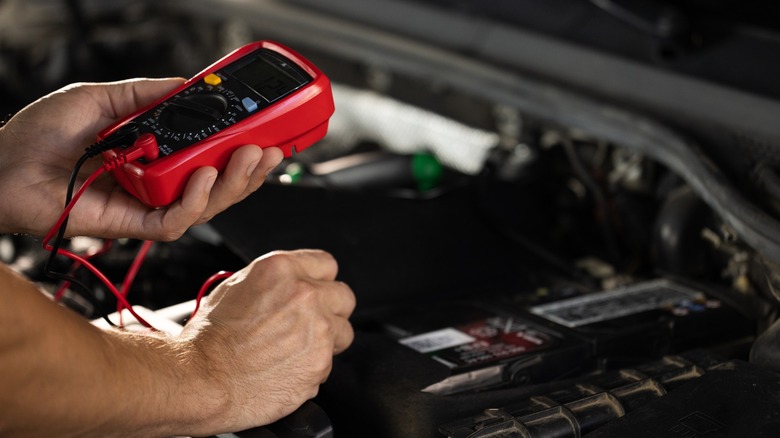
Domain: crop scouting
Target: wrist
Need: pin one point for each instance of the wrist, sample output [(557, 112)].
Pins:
[(171, 392)]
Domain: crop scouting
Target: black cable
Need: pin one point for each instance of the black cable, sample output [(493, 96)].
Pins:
[(47, 269), (86, 293), (125, 135)]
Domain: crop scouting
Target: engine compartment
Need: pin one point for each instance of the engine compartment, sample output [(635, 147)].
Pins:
[(508, 237)]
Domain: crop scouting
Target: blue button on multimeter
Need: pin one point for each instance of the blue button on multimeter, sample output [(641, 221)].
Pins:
[(249, 104)]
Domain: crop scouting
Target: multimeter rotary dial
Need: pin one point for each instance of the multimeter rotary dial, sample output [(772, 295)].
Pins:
[(194, 114)]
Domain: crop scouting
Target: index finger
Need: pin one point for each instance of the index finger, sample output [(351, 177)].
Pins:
[(312, 263)]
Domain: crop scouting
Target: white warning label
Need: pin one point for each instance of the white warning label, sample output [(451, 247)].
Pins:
[(604, 306), (437, 340)]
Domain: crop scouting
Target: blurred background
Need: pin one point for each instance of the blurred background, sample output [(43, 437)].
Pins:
[(491, 164)]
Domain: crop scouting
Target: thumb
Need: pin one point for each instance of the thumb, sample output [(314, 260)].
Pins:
[(124, 97)]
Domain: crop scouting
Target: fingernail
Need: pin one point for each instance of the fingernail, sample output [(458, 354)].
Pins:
[(210, 183), (251, 168), (272, 167)]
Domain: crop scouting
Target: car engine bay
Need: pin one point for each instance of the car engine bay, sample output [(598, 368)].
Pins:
[(546, 238)]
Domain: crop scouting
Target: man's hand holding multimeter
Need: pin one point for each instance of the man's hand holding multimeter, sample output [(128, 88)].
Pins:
[(262, 93), (41, 143), (285, 310)]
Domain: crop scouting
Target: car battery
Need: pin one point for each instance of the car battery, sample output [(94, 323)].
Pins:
[(414, 368), (649, 319), (483, 347)]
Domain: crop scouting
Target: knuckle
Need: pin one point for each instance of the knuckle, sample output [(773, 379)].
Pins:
[(330, 260), (323, 255), (235, 182), (349, 336), (323, 363), (344, 338), (204, 218), (304, 291), (323, 327), (235, 187), (304, 285), (277, 261), (171, 235), (349, 295)]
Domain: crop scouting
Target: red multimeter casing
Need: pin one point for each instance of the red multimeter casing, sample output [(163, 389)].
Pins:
[(262, 93)]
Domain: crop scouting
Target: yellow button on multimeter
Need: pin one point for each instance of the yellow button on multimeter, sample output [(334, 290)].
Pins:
[(212, 79)]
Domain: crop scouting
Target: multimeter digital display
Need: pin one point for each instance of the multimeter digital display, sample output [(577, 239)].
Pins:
[(262, 93), (262, 75)]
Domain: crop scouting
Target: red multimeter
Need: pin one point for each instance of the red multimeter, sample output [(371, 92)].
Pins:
[(262, 93)]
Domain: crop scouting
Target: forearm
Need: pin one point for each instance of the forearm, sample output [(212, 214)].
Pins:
[(64, 377)]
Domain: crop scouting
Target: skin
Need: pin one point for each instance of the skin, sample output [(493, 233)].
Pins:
[(40, 145), (261, 344)]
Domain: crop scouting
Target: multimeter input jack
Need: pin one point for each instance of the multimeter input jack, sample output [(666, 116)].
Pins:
[(148, 144)]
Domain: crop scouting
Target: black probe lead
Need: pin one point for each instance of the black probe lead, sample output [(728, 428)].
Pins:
[(48, 270)]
